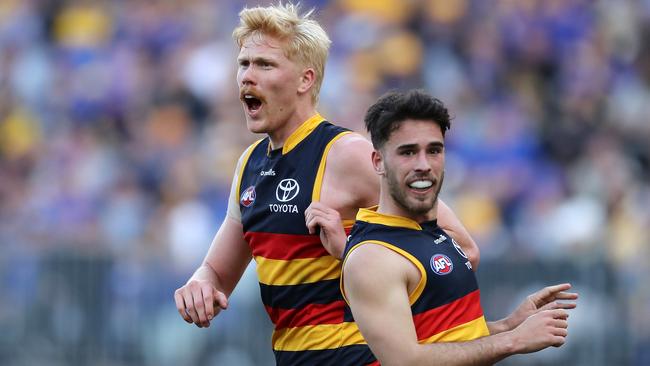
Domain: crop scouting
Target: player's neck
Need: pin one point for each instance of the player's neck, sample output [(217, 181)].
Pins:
[(295, 120), (388, 206)]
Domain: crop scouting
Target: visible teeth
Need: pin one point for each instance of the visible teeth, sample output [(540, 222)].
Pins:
[(421, 184), (248, 96)]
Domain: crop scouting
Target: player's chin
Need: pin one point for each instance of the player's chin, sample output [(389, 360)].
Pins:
[(421, 207), (256, 125)]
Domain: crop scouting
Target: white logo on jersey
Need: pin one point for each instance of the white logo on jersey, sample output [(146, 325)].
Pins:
[(287, 190), (283, 208), (265, 173), (458, 248)]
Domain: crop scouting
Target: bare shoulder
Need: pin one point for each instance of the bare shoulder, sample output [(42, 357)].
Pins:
[(371, 266), (350, 181), (368, 260), (350, 149)]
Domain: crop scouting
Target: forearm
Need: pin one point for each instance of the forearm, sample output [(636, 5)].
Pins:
[(482, 351)]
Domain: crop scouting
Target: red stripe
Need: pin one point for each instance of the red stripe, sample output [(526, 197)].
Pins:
[(444, 317), (312, 314), (285, 246)]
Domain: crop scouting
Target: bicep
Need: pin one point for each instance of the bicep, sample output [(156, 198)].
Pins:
[(349, 173), (377, 292), (229, 254)]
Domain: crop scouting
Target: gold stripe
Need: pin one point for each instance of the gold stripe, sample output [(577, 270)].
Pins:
[(317, 337), (315, 196), (297, 271), (301, 132), (247, 155), (372, 216), (474, 329), (413, 296)]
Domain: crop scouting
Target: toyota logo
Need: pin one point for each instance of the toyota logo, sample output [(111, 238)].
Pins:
[(287, 190)]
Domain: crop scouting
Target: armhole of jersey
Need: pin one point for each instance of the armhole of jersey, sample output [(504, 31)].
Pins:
[(247, 155), (413, 296), (315, 196)]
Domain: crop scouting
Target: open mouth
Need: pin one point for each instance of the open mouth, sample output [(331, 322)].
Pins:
[(253, 103)]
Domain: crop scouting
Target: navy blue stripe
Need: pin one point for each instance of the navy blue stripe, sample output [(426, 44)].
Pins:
[(297, 296), (432, 297), (345, 356)]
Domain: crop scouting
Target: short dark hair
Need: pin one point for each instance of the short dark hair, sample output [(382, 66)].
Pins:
[(391, 109)]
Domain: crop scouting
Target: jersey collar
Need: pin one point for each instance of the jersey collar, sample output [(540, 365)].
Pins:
[(371, 215), (301, 132)]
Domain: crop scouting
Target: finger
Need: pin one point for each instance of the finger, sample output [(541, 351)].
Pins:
[(558, 341), (314, 206), (562, 332), (560, 323), (566, 305), (559, 314), (208, 302), (199, 307), (552, 290), (558, 305), (548, 293), (190, 309), (566, 296), (312, 224), (180, 306), (320, 209), (221, 300)]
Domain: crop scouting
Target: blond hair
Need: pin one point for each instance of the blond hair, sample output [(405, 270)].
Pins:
[(307, 42)]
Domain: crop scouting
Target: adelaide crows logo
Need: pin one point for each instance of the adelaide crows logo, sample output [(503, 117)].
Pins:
[(441, 264), (248, 197)]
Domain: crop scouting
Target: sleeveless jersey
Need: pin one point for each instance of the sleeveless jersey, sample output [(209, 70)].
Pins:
[(298, 279), (446, 303)]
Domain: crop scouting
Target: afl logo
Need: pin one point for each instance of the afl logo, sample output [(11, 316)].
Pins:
[(441, 264), (248, 197), (287, 190)]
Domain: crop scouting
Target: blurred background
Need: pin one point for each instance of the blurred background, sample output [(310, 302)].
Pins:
[(120, 127)]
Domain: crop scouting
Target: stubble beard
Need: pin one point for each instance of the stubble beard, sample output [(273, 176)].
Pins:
[(398, 193)]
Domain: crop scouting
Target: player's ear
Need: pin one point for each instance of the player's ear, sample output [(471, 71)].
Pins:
[(307, 79), (378, 162)]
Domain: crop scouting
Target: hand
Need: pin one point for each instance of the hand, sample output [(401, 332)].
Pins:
[(543, 329), (199, 302), (328, 220), (544, 299)]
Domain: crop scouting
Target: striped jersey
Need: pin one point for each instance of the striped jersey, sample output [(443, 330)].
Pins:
[(446, 303), (298, 279)]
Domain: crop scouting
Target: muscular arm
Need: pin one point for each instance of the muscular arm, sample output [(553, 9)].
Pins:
[(349, 183), (207, 290), (375, 281)]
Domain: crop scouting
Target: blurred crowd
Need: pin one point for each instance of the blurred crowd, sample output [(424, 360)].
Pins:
[(120, 126)]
